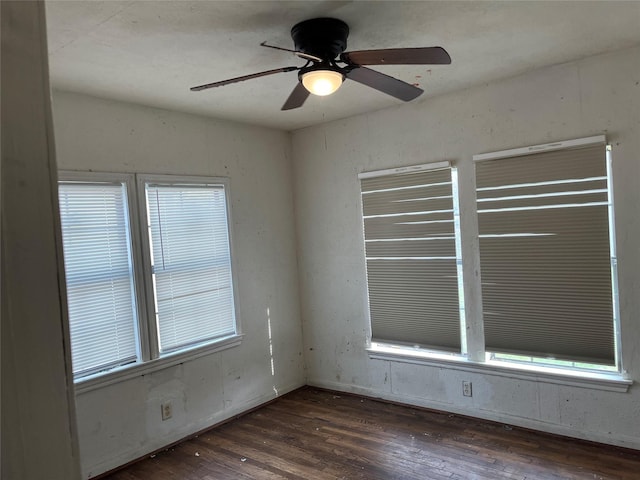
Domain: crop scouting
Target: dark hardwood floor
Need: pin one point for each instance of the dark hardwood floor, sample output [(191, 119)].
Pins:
[(315, 434)]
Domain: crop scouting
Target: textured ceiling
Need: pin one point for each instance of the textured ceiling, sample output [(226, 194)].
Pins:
[(151, 52)]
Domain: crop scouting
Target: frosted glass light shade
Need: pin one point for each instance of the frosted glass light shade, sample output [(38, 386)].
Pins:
[(322, 82)]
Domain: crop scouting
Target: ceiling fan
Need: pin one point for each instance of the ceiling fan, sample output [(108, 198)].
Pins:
[(321, 42)]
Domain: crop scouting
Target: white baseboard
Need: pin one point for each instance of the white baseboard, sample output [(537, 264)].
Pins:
[(530, 423)]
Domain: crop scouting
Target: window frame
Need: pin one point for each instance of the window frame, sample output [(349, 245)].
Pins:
[(131, 221), (477, 361), (149, 358), (428, 167), (571, 158), (559, 146), (141, 181)]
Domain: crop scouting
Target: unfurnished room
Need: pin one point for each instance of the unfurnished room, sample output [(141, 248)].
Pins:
[(320, 240)]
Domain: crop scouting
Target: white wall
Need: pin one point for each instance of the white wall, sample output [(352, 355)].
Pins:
[(38, 420), (121, 422), (593, 96)]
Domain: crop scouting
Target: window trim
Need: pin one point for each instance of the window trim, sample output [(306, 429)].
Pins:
[(147, 361), (140, 369), (614, 382)]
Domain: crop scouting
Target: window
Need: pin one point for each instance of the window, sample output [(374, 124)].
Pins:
[(140, 291), (546, 258), (411, 255), (545, 255), (99, 271), (191, 263)]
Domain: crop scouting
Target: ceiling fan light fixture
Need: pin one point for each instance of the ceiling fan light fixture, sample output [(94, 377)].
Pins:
[(322, 82)]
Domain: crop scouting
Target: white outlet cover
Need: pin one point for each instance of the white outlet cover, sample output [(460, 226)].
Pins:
[(166, 410)]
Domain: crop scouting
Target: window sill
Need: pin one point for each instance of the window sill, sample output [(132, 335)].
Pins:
[(612, 382), (126, 372)]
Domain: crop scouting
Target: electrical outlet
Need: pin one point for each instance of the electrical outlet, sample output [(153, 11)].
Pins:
[(466, 388), (167, 411)]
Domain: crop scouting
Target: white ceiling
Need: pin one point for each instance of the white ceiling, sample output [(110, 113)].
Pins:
[(151, 52)]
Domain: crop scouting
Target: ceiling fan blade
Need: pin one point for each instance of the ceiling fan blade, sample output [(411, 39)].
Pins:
[(398, 56), (306, 56), (243, 78), (384, 83), (297, 97)]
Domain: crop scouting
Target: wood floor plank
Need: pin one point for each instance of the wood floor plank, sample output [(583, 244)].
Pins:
[(316, 434)]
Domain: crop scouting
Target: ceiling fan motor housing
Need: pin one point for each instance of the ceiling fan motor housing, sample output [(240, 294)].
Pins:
[(323, 37)]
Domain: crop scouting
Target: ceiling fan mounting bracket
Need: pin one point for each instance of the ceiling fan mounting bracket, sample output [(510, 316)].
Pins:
[(325, 65), (323, 37)]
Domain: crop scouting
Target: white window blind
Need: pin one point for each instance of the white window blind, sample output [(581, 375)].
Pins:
[(410, 246), (191, 263), (545, 255), (99, 275)]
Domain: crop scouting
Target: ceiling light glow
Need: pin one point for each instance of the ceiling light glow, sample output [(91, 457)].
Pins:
[(322, 82)]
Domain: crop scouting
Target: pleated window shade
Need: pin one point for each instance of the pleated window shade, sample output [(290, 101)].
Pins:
[(410, 247), (191, 263), (545, 255), (99, 275)]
